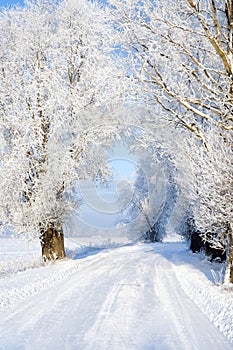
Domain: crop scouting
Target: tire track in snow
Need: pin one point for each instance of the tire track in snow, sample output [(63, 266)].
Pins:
[(128, 299)]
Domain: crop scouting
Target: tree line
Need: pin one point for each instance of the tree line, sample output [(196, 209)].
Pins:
[(75, 74)]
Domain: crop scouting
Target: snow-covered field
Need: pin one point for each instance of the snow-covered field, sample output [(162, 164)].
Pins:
[(105, 296)]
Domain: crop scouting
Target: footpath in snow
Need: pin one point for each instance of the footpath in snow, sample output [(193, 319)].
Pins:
[(147, 296)]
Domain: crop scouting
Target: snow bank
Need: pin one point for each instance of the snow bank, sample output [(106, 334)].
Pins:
[(18, 255), (26, 274), (197, 277), (20, 281)]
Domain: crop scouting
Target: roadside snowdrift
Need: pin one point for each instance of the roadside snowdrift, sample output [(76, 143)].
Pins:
[(145, 296)]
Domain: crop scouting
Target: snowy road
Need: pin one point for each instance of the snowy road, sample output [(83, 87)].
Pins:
[(119, 299)]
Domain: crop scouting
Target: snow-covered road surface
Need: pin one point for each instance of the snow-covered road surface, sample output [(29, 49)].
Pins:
[(119, 299)]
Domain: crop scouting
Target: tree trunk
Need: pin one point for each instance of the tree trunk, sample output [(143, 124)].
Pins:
[(229, 264), (52, 243), (153, 234), (230, 257)]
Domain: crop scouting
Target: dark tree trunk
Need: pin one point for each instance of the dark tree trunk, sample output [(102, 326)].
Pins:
[(230, 256), (153, 234), (229, 263), (52, 243)]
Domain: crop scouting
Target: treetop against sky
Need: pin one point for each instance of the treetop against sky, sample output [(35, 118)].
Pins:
[(6, 3)]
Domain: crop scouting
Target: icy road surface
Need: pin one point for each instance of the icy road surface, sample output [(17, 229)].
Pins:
[(118, 299)]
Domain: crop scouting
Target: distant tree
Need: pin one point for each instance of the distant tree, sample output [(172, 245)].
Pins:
[(58, 81), (153, 193), (138, 215)]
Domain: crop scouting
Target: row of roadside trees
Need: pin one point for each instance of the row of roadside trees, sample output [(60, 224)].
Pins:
[(71, 72), (181, 61)]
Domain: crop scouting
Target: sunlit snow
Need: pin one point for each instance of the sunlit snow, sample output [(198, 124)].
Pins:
[(106, 296)]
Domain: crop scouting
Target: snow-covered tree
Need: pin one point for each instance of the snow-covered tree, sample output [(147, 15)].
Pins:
[(185, 180), (138, 213), (182, 67), (211, 192), (58, 83), (154, 193), (181, 57), (204, 181)]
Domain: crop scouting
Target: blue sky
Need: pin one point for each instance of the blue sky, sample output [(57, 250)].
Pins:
[(4, 3), (99, 208)]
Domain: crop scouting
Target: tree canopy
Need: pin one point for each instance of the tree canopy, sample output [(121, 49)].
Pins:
[(75, 76)]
